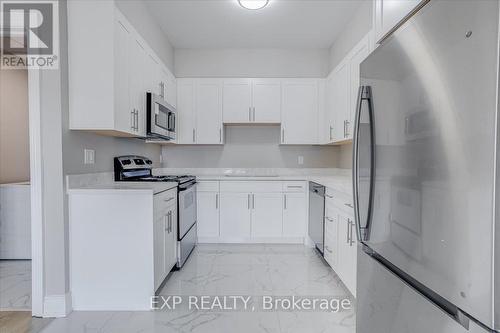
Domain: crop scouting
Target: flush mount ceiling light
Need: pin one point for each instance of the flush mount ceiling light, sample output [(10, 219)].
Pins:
[(253, 4)]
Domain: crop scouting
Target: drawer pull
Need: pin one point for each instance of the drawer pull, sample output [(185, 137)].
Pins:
[(169, 199), (329, 218), (295, 186), (329, 196), (349, 205), (328, 249)]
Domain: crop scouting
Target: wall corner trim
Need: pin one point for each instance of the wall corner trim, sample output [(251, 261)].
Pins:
[(57, 306)]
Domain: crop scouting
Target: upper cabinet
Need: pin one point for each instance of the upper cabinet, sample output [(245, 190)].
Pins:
[(199, 111), (388, 14), (342, 87), (107, 88), (252, 101), (300, 111)]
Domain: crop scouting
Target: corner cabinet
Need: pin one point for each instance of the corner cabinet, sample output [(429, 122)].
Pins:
[(107, 88), (300, 111), (199, 111)]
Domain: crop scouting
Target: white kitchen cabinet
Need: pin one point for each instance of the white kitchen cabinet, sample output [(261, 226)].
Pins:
[(294, 214), (252, 101), (107, 88), (169, 85), (267, 215), (199, 111), (347, 251), (341, 102), (237, 101), (160, 262), (387, 15), (186, 117), (300, 111), (235, 216), (138, 84), (208, 215), (266, 101)]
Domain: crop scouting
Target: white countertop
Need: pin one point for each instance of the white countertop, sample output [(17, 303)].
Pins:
[(120, 187)]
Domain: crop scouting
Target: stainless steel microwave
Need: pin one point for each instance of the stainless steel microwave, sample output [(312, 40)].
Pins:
[(161, 119)]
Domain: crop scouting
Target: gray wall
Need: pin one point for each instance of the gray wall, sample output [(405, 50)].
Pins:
[(250, 147), (359, 25), (251, 62)]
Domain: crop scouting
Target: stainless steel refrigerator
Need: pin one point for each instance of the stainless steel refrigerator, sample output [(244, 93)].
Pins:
[(426, 175)]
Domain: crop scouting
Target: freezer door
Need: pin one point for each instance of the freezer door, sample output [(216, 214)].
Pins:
[(425, 143), (385, 304)]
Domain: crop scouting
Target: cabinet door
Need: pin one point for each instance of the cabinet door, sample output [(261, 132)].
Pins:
[(267, 215), (341, 102), (329, 117), (235, 216), (358, 54), (237, 101), (294, 214), (170, 239), (347, 250), (299, 112), (208, 111), (138, 64), (388, 14), (208, 214), (159, 250), (170, 87), (186, 121), (266, 98), (123, 109), (153, 79), (331, 235)]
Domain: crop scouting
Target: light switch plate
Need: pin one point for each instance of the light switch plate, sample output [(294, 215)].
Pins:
[(300, 160), (89, 156)]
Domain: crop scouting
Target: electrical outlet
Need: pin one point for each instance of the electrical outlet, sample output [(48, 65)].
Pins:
[(300, 160), (88, 156)]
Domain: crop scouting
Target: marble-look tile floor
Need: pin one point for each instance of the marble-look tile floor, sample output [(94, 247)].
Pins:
[(253, 270), (15, 285)]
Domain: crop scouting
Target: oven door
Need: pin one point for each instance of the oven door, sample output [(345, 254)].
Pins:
[(160, 118), (187, 209)]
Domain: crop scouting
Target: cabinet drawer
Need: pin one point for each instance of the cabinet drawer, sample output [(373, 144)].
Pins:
[(340, 200), (294, 186), (207, 186), (164, 200), (252, 187)]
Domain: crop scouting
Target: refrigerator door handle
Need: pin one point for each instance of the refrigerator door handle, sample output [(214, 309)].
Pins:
[(363, 231)]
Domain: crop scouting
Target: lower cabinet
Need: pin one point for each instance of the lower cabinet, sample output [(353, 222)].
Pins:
[(252, 211), (294, 214), (208, 215), (267, 215), (165, 240), (340, 239), (235, 216)]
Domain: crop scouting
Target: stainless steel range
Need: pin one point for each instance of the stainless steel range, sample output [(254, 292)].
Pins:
[(133, 168)]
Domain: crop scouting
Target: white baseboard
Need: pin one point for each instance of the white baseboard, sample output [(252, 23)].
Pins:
[(57, 306)]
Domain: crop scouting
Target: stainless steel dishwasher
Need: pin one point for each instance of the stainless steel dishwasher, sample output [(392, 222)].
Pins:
[(317, 215)]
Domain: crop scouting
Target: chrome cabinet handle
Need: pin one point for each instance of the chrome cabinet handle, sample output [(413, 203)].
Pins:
[(344, 128), (294, 186), (216, 200), (253, 113), (169, 199), (347, 122), (137, 120), (283, 135), (249, 113), (194, 135), (348, 205), (351, 225), (248, 204), (284, 201), (329, 218), (132, 119), (348, 240), (331, 129), (328, 249), (329, 196), (253, 201), (220, 135)]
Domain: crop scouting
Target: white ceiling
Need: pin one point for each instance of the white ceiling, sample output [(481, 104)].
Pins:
[(224, 24)]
